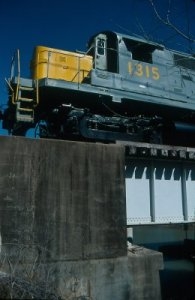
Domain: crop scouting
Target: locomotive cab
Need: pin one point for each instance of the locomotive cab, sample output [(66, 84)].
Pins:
[(122, 62)]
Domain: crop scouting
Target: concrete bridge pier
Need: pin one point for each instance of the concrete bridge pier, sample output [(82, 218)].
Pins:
[(63, 223)]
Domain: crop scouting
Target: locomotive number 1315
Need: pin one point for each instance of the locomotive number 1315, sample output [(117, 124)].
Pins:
[(140, 70)]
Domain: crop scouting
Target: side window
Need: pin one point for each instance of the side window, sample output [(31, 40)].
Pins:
[(100, 58), (101, 47), (184, 61), (141, 51)]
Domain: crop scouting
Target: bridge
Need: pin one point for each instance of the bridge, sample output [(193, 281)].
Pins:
[(160, 184)]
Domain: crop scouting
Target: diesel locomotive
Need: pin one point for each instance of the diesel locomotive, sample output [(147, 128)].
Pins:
[(122, 88)]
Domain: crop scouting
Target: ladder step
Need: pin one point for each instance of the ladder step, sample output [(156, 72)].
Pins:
[(25, 118), (25, 115), (22, 99), (24, 105), (26, 88), (25, 109)]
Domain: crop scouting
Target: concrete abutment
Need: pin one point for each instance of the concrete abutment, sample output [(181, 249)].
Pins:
[(63, 217)]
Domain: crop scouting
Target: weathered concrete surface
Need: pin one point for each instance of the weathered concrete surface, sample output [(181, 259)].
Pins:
[(144, 265), (67, 197), (131, 277), (63, 221), (135, 277)]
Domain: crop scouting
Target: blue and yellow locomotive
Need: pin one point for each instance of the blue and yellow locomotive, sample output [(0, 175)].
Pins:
[(122, 88)]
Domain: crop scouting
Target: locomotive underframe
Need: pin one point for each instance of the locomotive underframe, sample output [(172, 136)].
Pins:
[(83, 111)]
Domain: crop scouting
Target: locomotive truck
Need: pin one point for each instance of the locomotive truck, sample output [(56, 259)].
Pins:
[(122, 88)]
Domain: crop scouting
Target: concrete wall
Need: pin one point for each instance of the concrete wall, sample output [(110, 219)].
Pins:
[(63, 221), (67, 197)]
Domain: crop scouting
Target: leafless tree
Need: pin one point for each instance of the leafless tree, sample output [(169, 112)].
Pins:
[(166, 20)]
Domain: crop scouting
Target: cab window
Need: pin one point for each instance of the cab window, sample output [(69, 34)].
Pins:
[(101, 47), (141, 51)]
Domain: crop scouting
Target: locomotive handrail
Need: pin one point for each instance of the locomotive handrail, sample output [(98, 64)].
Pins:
[(8, 83), (18, 77), (15, 56)]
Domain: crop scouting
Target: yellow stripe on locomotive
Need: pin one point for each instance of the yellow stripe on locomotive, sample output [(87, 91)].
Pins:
[(58, 64)]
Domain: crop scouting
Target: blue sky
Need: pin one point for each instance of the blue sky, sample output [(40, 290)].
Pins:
[(68, 25)]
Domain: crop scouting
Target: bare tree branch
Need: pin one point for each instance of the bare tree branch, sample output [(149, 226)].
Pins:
[(167, 21)]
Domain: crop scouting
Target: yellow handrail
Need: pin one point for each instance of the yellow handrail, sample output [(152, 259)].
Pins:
[(18, 77), (15, 96)]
